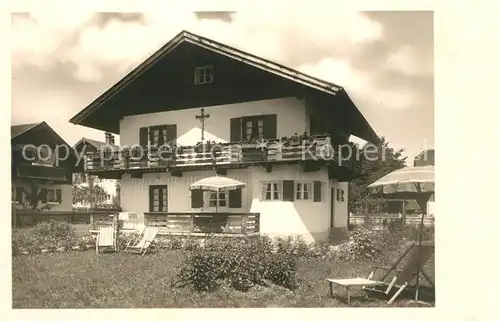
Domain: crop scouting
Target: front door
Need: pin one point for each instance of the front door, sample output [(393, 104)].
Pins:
[(332, 207)]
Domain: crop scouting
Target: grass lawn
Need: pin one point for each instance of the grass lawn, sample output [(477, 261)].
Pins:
[(84, 280)]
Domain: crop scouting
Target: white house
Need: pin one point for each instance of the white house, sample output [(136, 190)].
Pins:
[(195, 90), (86, 145)]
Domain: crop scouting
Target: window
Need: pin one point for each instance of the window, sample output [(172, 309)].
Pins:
[(303, 191), (157, 136), (44, 156), (253, 127), (272, 191), (53, 195), (203, 75), (223, 199), (158, 198), (340, 195)]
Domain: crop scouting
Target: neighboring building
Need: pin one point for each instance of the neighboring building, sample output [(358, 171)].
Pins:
[(86, 145), (424, 158), (39, 182), (166, 99)]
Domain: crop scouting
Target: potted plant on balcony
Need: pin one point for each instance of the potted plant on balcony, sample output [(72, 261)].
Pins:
[(126, 156), (166, 154)]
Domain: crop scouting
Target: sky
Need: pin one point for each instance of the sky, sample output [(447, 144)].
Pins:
[(384, 60)]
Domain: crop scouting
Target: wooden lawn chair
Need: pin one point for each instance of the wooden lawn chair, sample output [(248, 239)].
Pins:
[(106, 239), (143, 242), (401, 279)]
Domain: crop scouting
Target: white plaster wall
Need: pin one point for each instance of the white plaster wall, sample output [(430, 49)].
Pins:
[(135, 191), (304, 218), (291, 119), (66, 195)]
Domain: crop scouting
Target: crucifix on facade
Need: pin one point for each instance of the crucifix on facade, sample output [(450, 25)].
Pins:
[(202, 118)]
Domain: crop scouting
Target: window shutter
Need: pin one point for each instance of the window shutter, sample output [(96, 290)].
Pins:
[(43, 195), (172, 134), (19, 194), (143, 136), (196, 198), (59, 195), (151, 198), (317, 191), (288, 191), (235, 135), (270, 126), (235, 198)]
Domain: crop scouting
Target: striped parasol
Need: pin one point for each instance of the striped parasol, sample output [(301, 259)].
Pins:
[(409, 181)]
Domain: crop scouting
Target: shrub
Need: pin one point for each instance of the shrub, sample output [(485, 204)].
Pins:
[(239, 263), (363, 244)]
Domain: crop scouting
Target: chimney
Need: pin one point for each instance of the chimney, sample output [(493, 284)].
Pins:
[(109, 138)]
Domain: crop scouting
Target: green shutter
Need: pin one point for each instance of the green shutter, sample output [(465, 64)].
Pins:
[(270, 126), (288, 191), (196, 198), (143, 136), (59, 195), (151, 198), (235, 197), (317, 191), (172, 134), (235, 130)]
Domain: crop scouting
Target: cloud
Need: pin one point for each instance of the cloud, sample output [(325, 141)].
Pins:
[(288, 36), (363, 87), (407, 60), (383, 64)]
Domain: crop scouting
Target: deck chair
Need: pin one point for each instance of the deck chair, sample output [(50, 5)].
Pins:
[(400, 280), (144, 242), (106, 240), (403, 277)]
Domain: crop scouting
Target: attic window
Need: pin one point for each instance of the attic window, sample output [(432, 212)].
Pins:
[(203, 75)]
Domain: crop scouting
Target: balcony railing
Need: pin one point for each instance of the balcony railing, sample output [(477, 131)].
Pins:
[(42, 172), (319, 148), (204, 222)]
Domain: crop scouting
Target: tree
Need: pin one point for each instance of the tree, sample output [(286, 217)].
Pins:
[(376, 163), (116, 198), (33, 195), (88, 193)]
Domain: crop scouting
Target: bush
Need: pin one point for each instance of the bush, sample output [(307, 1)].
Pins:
[(238, 263), (363, 244), (48, 236)]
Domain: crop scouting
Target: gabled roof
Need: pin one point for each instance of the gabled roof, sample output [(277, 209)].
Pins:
[(230, 52), (17, 130), (97, 144)]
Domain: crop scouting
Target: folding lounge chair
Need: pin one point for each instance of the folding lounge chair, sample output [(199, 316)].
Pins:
[(106, 239), (144, 242), (401, 279)]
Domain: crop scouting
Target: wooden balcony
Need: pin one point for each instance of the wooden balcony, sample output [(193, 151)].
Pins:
[(194, 157), (204, 223), (42, 172)]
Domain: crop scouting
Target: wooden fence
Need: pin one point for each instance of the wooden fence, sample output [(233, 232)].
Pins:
[(383, 219), (204, 222), (93, 218)]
